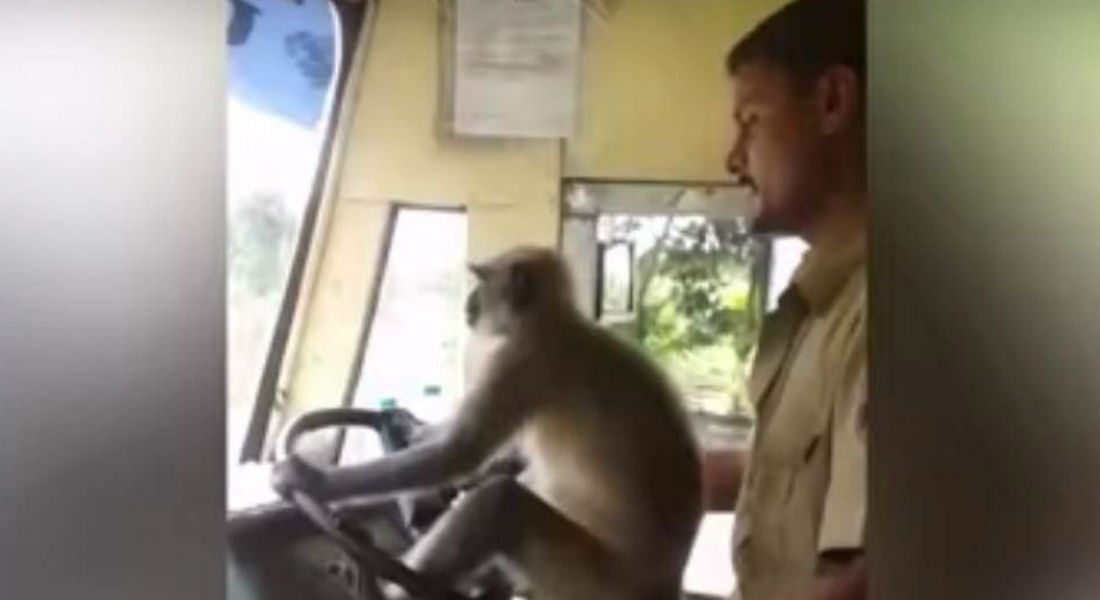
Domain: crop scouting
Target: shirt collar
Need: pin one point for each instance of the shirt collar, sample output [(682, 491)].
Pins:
[(825, 268)]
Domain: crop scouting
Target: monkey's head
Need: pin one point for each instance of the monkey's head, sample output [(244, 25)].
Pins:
[(524, 285)]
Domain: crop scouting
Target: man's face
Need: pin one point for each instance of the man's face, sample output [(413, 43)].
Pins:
[(777, 149)]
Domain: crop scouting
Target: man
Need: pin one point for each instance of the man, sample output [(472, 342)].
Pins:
[(798, 81)]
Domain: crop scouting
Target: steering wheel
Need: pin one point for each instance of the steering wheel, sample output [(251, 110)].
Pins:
[(355, 540)]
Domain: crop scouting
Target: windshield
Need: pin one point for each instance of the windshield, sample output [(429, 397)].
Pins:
[(282, 57)]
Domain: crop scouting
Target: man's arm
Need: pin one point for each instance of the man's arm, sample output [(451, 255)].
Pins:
[(841, 563), (723, 470)]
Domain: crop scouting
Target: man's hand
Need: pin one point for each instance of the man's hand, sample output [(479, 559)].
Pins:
[(296, 475), (847, 583)]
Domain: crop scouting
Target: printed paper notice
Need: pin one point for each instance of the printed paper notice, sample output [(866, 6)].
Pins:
[(516, 67)]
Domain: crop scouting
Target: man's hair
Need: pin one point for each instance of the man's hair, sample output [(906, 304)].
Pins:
[(806, 37)]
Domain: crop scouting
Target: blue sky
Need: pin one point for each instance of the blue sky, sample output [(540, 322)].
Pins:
[(263, 74)]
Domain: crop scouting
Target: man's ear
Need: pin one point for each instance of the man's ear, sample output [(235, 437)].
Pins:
[(839, 99), (521, 287)]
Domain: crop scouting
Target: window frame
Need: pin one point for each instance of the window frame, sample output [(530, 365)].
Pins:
[(761, 271), (370, 312), (602, 249)]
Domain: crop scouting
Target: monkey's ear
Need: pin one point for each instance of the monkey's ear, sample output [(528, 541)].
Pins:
[(521, 287), (480, 271)]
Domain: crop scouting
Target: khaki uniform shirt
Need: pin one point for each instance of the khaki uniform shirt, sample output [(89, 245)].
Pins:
[(805, 489)]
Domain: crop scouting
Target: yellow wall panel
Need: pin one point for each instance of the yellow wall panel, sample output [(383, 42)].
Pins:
[(330, 332), (655, 99), (397, 149)]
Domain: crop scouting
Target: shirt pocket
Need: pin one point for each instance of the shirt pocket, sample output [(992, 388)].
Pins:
[(760, 514), (790, 486)]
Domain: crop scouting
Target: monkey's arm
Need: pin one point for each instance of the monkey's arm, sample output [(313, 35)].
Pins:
[(493, 410)]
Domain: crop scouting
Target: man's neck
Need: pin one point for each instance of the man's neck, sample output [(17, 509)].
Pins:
[(836, 246), (838, 225)]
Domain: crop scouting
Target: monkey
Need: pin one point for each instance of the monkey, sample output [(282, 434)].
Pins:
[(611, 498)]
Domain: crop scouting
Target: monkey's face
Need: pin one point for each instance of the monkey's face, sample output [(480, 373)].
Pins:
[(500, 298), (473, 307)]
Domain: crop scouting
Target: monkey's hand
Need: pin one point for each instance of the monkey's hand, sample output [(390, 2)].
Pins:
[(296, 475)]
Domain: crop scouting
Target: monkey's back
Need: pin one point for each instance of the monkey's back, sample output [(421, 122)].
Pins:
[(613, 450)]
